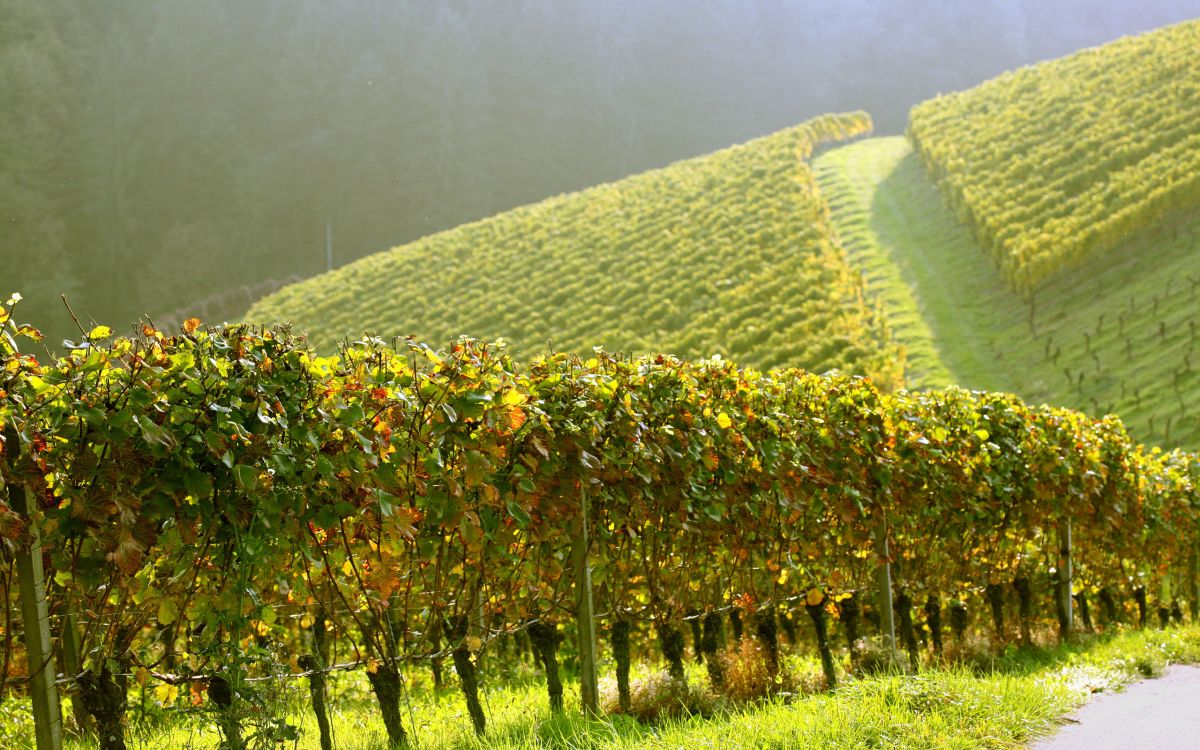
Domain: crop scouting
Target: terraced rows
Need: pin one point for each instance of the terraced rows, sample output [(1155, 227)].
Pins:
[(731, 254), (1118, 334), (1056, 162)]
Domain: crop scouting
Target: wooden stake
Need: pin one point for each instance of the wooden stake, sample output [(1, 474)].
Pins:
[(585, 623), (1193, 588), (47, 719), (1065, 586), (887, 619)]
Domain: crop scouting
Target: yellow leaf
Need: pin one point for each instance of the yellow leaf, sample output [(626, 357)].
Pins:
[(190, 325), (814, 596), (724, 421), (347, 568), (168, 611), (474, 644), (306, 622), (99, 332), (166, 693)]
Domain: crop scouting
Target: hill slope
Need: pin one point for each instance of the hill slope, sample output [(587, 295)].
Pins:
[(1116, 334), (1055, 162), (1079, 175), (729, 254)]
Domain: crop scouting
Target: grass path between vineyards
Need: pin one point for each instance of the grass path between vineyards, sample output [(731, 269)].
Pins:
[(1006, 701), (1119, 334)]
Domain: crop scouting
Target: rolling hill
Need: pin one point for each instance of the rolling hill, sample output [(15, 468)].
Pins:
[(1039, 234), (1055, 162), (728, 254)]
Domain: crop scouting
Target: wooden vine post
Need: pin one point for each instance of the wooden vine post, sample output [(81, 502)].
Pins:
[(1194, 580), (1065, 593), (43, 690), (887, 619), (585, 623)]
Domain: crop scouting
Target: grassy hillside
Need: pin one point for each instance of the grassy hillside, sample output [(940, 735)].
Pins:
[(1059, 161), (729, 254), (1117, 334)]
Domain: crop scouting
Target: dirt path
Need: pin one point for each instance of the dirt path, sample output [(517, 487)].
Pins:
[(1150, 715)]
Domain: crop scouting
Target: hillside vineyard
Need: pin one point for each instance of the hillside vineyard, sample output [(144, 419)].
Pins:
[(730, 253), (1052, 163)]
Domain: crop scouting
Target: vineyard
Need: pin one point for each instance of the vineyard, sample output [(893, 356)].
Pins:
[(590, 432), (1062, 160), (1115, 335), (210, 502), (728, 254)]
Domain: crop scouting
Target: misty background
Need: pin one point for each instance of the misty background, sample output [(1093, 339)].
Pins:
[(163, 156)]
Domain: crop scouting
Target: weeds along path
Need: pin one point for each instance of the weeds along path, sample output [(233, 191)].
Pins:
[(1118, 335)]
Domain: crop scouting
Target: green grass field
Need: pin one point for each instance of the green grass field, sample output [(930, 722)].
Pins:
[(1115, 335), (998, 701)]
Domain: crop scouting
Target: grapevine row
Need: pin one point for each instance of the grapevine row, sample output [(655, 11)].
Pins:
[(697, 258), (195, 490)]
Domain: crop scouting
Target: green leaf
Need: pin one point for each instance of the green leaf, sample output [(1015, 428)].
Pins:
[(246, 477), (168, 611), (325, 468), (154, 434), (93, 416), (197, 484), (351, 415), (284, 465), (477, 467), (517, 512)]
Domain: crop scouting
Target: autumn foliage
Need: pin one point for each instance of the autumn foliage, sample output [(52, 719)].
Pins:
[(202, 489)]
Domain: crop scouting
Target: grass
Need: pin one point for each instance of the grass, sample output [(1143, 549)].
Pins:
[(1116, 335), (989, 700)]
